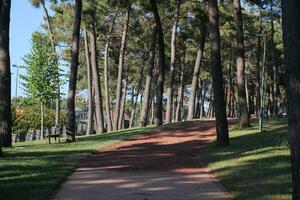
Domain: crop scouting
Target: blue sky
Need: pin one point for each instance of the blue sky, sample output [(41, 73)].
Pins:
[(25, 19)]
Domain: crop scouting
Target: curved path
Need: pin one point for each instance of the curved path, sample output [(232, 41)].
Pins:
[(163, 165)]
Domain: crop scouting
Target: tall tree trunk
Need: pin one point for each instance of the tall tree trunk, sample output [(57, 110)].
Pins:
[(202, 111), (106, 87), (258, 66), (141, 101), (5, 77), (240, 64), (174, 108), (120, 71), (233, 102), (181, 87), (198, 100), (247, 95), (161, 67), (196, 73), (291, 43), (147, 90), (133, 111), (152, 110), (172, 65), (71, 121), (89, 129), (230, 92), (275, 69), (180, 96), (122, 106), (134, 96), (209, 111), (96, 80), (53, 44), (217, 74), (42, 121)]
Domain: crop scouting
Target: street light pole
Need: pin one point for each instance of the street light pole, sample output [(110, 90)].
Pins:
[(263, 84)]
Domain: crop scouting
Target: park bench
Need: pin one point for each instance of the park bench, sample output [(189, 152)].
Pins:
[(58, 131)]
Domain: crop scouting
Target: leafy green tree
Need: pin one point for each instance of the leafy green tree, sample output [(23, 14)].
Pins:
[(27, 117), (42, 76), (38, 4)]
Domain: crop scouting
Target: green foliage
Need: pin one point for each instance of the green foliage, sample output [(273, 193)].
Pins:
[(37, 3), (193, 16), (42, 76), (28, 118)]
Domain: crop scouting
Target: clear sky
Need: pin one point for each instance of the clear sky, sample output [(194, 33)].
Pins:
[(25, 19)]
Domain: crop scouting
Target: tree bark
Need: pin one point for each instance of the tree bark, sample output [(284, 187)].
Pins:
[(134, 96), (240, 64), (106, 87), (5, 76), (217, 75), (230, 92), (120, 71), (180, 94), (133, 111), (172, 65), (161, 67), (291, 43), (196, 73), (71, 121), (96, 79), (89, 129), (181, 87), (122, 106), (42, 121), (275, 68), (258, 66), (202, 111), (198, 100), (152, 110), (147, 90), (247, 95)]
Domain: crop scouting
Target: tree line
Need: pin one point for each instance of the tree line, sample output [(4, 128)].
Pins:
[(167, 61)]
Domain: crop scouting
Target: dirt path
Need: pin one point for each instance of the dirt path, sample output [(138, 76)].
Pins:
[(165, 165)]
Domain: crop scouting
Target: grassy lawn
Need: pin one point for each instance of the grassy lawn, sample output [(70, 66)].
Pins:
[(35, 170), (256, 166)]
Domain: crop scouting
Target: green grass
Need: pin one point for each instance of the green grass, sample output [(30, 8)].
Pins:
[(256, 165), (35, 170)]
